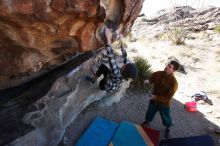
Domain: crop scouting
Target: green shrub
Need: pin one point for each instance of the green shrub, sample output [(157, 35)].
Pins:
[(176, 34), (217, 29), (144, 71)]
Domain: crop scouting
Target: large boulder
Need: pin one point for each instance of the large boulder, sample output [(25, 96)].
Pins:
[(68, 96), (37, 36)]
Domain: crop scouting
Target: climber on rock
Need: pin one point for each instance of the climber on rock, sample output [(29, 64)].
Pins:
[(113, 73)]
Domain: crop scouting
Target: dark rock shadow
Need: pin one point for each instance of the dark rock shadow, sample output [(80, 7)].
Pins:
[(17, 101)]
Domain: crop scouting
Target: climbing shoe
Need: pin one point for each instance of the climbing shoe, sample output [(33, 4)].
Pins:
[(167, 133)]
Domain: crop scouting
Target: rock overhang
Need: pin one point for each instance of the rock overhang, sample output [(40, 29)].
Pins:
[(37, 36)]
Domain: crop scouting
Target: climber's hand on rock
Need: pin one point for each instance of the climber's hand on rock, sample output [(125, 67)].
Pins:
[(152, 97), (108, 36), (146, 82)]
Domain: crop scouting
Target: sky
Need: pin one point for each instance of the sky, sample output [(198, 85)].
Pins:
[(150, 7)]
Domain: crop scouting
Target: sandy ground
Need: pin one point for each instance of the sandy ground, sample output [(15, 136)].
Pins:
[(200, 58)]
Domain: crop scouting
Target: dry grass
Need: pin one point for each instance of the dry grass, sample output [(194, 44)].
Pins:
[(217, 29), (176, 34)]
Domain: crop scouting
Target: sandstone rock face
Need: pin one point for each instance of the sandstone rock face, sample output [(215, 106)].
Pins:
[(38, 35)]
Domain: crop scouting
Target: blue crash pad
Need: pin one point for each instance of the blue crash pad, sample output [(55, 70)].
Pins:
[(99, 133), (129, 134)]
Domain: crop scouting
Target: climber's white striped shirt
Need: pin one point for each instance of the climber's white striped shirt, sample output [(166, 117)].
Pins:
[(115, 80)]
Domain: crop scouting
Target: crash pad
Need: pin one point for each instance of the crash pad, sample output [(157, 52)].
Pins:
[(202, 140), (99, 133), (129, 134)]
